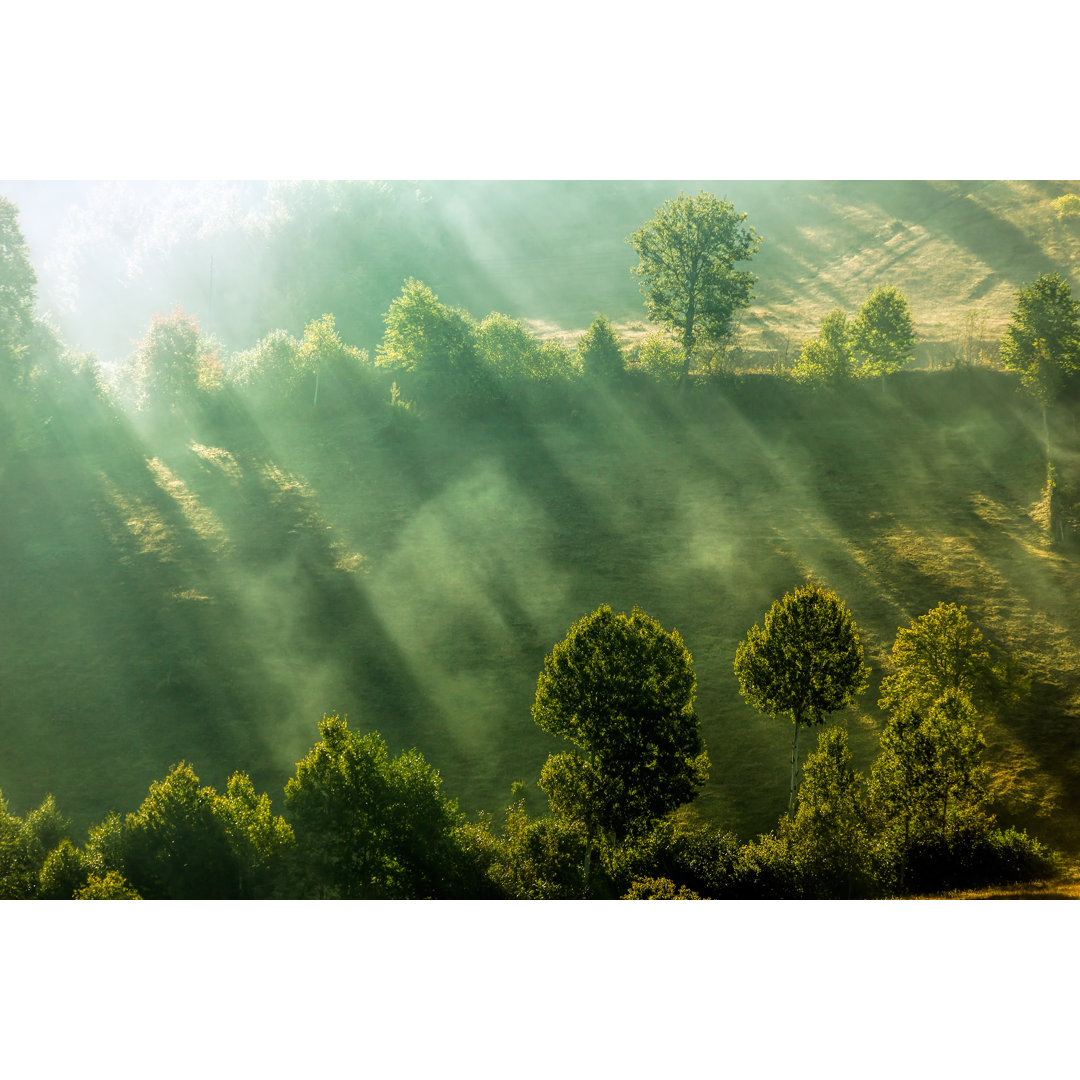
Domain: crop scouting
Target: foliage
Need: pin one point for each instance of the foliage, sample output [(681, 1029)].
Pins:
[(111, 886), (18, 284), (830, 835), (432, 345), (173, 363), (659, 889), (940, 652), (513, 354), (621, 690), (187, 842), (827, 359), (1067, 206), (538, 858), (929, 775), (369, 826), (698, 857), (661, 357), (882, 334), (599, 353), (24, 844), (804, 661), (686, 266), (1042, 342), (273, 370), (62, 873), (339, 369)]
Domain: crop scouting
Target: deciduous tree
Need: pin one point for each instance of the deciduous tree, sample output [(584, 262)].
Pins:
[(598, 349), (805, 661), (369, 826), (882, 334), (621, 690), (827, 358), (687, 256), (1042, 342)]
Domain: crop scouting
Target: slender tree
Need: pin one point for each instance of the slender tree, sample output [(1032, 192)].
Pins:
[(804, 661), (882, 334)]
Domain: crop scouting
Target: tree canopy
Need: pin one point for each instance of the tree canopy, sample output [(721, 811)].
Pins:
[(687, 256), (621, 690)]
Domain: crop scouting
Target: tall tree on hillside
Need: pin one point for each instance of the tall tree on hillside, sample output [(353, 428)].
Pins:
[(882, 334), (17, 293), (687, 255), (805, 661), (621, 690)]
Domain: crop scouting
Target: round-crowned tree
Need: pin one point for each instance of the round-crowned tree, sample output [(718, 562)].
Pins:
[(621, 689), (805, 661)]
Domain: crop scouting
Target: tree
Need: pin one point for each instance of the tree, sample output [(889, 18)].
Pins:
[(621, 690), (882, 334), (338, 366), (513, 353), (433, 344), (599, 352), (369, 826), (687, 255), (170, 360), (942, 652), (929, 775), (830, 833), (805, 661), (827, 358), (18, 283), (1042, 342), (187, 842), (661, 357)]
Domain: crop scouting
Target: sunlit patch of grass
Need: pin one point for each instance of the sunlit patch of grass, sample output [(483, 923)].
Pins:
[(221, 459), (151, 532), (202, 520)]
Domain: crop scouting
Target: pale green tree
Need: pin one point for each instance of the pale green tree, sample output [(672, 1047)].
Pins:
[(687, 267), (827, 359), (882, 334), (943, 651)]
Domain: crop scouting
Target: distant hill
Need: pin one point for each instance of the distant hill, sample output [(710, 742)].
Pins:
[(246, 258)]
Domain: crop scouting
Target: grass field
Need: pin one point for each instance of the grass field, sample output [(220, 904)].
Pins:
[(208, 597)]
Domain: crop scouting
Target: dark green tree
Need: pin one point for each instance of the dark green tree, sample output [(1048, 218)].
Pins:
[(369, 826), (805, 661), (599, 353), (1042, 342), (687, 256), (187, 842), (621, 690), (882, 334)]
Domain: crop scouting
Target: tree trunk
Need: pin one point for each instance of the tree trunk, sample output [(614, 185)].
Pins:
[(585, 876), (794, 771)]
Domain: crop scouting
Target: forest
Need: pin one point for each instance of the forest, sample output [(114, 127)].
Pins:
[(359, 542)]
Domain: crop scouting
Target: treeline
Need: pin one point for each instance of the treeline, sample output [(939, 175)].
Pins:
[(619, 690)]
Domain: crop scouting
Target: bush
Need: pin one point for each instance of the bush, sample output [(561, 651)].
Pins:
[(659, 889)]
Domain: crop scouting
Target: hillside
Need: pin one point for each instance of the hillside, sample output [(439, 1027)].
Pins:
[(246, 258), (208, 596)]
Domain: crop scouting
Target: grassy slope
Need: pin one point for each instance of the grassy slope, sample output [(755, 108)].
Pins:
[(210, 600), (556, 253)]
